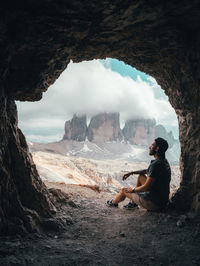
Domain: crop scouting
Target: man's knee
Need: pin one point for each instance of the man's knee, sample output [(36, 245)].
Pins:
[(123, 190)]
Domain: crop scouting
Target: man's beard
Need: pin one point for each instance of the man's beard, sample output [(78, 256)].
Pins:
[(153, 151)]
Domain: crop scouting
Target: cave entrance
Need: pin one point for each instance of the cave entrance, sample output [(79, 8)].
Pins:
[(38, 41), (126, 110)]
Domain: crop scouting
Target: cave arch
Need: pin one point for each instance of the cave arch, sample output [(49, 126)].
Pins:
[(37, 42)]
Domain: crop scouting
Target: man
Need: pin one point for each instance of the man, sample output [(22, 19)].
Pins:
[(152, 187)]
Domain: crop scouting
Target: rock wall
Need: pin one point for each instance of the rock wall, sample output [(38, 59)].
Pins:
[(188, 194), (39, 38), (25, 200)]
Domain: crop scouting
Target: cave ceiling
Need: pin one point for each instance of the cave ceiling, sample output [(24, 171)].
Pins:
[(39, 38)]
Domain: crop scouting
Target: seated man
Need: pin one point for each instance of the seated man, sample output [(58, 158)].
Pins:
[(152, 187)]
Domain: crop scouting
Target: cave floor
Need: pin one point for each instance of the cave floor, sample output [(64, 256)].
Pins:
[(99, 235)]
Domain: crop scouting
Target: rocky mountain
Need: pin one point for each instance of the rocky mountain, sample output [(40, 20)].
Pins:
[(160, 131), (106, 127), (139, 131), (76, 129)]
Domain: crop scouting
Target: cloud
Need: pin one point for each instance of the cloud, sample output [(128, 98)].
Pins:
[(90, 88)]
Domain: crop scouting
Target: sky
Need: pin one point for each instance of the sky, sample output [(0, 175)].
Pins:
[(92, 87)]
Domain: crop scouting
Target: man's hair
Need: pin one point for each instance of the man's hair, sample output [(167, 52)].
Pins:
[(162, 144)]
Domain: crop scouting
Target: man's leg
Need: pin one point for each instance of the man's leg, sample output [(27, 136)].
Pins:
[(141, 179), (120, 196), (134, 198), (146, 204)]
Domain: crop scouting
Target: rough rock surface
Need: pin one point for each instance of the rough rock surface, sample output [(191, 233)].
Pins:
[(25, 200), (160, 38), (76, 129), (139, 131), (160, 131), (104, 127)]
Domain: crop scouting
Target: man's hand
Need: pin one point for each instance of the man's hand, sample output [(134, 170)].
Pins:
[(126, 175)]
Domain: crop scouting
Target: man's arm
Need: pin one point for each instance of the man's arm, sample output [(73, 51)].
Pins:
[(147, 185), (138, 172)]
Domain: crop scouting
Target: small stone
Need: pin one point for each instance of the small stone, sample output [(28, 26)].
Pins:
[(183, 218), (48, 247), (55, 237), (180, 223)]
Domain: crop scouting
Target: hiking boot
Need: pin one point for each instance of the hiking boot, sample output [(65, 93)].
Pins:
[(110, 203), (131, 206)]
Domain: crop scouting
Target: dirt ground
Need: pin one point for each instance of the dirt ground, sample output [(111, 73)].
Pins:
[(98, 235)]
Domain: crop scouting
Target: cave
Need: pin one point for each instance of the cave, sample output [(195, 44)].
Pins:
[(39, 38)]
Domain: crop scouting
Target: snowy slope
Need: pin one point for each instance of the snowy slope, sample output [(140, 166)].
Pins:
[(104, 151)]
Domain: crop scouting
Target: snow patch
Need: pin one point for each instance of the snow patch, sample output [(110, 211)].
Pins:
[(85, 148)]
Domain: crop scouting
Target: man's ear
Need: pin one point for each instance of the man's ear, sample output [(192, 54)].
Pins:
[(157, 148)]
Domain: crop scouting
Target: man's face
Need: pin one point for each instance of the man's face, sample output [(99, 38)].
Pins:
[(153, 149)]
